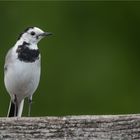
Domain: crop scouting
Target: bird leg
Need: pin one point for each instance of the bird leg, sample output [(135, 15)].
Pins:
[(16, 104), (30, 104)]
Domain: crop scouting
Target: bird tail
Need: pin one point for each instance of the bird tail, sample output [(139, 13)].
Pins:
[(15, 110)]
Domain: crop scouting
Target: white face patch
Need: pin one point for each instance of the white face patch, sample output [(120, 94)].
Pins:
[(31, 35)]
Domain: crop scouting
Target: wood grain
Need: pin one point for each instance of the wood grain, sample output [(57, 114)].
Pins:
[(102, 127)]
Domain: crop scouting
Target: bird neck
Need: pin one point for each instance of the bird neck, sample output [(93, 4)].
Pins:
[(29, 45), (27, 52)]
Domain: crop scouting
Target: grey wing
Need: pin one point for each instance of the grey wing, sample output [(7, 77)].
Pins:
[(8, 59)]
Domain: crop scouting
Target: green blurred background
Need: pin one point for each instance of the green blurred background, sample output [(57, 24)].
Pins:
[(91, 65)]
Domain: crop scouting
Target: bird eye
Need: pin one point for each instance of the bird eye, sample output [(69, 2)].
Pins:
[(32, 33)]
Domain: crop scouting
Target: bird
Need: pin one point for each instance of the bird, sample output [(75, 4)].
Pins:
[(22, 69)]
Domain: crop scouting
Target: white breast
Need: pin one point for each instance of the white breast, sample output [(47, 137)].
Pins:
[(22, 78)]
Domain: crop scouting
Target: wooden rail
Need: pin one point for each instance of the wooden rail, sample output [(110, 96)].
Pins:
[(100, 127)]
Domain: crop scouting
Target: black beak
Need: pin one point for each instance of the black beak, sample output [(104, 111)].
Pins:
[(45, 34)]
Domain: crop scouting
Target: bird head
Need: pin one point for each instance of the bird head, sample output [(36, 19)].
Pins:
[(33, 35)]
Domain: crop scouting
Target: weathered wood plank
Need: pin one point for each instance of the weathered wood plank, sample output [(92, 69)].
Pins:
[(104, 127)]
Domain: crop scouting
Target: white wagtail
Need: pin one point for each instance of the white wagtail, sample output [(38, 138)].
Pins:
[(22, 69)]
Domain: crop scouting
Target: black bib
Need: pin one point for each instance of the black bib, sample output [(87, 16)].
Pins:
[(26, 54)]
